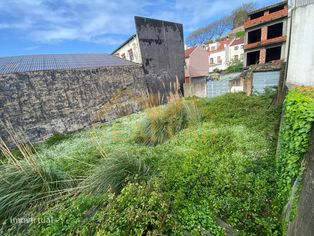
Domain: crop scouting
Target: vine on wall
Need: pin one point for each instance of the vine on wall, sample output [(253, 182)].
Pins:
[(294, 138)]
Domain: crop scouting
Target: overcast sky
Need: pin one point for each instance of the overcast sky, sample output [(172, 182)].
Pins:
[(96, 26)]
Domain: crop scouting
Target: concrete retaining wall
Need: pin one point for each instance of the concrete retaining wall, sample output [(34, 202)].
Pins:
[(301, 57)]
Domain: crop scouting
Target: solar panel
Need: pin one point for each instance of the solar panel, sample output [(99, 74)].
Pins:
[(57, 62)]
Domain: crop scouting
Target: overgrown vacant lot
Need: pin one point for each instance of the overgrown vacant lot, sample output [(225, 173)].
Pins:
[(192, 167)]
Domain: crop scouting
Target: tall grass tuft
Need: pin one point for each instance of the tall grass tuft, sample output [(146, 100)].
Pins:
[(161, 123), (115, 172), (28, 182)]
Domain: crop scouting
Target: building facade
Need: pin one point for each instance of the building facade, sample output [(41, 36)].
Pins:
[(237, 50), (219, 55), (196, 63), (265, 34), (222, 53), (129, 50)]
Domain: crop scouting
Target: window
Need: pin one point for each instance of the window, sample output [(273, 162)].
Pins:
[(236, 48), (275, 30), (273, 54), (257, 15), (242, 46), (130, 52), (123, 55), (212, 48), (252, 58), (219, 60), (242, 56), (278, 8), (254, 36), (236, 57), (211, 60)]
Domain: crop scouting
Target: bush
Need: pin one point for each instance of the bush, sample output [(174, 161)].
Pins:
[(73, 217), (161, 123), (235, 66), (115, 172), (294, 140), (138, 210)]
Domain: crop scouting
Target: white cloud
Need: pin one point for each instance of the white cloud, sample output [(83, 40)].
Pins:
[(101, 21)]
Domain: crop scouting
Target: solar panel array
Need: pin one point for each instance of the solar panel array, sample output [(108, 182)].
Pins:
[(57, 61)]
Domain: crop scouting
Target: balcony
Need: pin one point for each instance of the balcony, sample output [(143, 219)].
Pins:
[(266, 18)]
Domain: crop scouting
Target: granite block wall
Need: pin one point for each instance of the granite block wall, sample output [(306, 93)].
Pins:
[(42, 103)]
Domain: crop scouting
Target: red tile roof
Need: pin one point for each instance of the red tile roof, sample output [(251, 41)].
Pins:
[(221, 45), (188, 51), (238, 41)]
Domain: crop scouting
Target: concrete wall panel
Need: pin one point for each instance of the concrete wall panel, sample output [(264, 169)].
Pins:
[(162, 51)]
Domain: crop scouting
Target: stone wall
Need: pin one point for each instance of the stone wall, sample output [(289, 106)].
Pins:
[(42, 103)]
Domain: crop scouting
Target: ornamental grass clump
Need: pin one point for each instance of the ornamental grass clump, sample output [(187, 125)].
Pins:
[(115, 172), (29, 182), (162, 122)]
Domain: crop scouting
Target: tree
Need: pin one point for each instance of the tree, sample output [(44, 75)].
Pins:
[(210, 31), (221, 26), (240, 14), (235, 65)]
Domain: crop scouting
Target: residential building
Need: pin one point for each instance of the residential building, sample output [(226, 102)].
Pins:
[(196, 63), (219, 54), (236, 50), (129, 50), (265, 34)]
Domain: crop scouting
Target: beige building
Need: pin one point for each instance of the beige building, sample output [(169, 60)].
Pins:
[(129, 50)]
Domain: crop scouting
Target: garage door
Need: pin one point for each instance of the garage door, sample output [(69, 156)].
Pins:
[(261, 80)]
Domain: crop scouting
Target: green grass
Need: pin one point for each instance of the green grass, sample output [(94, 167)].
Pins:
[(216, 167)]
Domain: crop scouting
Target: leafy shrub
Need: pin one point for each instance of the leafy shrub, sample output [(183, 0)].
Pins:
[(73, 217), (294, 139), (161, 123), (115, 172), (138, 210), (235, 66), (240, 34)]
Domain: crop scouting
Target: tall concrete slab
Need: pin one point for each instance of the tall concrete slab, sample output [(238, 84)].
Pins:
[(162, 50)]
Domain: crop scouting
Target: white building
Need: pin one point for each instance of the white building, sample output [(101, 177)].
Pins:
[(218, 55), (129, 50), (236, 49), (221, 53)]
